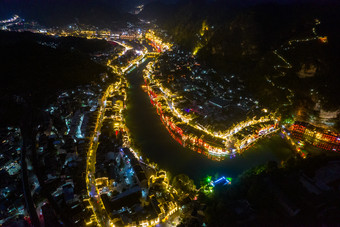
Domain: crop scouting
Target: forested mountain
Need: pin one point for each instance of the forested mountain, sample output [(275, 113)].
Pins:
[(241, 39)]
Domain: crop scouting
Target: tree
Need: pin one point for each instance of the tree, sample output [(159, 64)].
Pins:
[(183, 184)]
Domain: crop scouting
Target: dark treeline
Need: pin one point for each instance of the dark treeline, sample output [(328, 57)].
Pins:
[(258, 197)]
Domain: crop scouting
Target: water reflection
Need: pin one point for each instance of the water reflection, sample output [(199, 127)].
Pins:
[(156, 143)]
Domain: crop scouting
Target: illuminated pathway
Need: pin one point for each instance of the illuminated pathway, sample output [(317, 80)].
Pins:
[(288, 65)]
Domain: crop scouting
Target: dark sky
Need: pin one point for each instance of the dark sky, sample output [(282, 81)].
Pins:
[(26, 7)]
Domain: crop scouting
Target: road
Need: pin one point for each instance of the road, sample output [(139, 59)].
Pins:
[(101, 216)]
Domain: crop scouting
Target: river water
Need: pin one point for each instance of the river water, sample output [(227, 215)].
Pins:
[(155, 142)]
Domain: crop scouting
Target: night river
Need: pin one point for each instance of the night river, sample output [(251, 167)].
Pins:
[(156, 143)]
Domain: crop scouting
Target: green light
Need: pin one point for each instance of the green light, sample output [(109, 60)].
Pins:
[(209, 179), (229, 178)]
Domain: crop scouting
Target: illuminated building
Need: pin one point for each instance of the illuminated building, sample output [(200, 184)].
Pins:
[(102, 182), (316, 136), (323, 39), (157, 42)]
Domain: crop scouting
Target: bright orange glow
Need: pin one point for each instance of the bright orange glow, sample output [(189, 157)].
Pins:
[(323, 39)]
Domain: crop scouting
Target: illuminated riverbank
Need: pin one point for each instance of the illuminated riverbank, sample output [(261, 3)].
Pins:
[(215, 145)]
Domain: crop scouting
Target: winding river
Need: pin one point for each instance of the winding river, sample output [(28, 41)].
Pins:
[(156, 143)]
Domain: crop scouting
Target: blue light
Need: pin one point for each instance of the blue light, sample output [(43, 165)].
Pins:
[(220, 180)]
